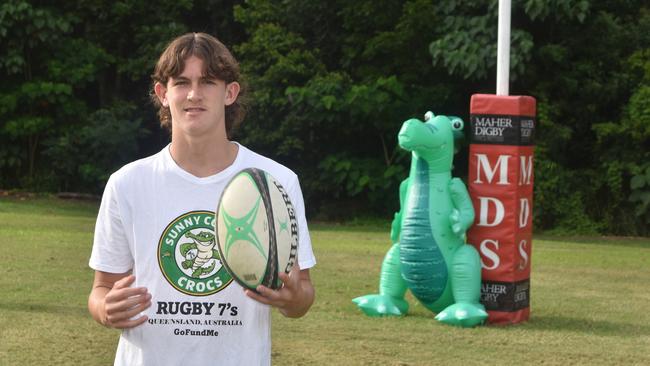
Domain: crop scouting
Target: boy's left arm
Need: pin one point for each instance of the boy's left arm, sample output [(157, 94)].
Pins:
[(294, 298)]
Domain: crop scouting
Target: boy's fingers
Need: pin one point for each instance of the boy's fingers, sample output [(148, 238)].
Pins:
[(120, 316), (132, 291), (292, 278), (267, 292), (124, 282), (286, 280), (116, 295), (132, 301), (125, 324), (257, 297), (134, 311), (283, 276)]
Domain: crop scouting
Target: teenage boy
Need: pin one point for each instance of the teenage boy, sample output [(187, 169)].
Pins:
[(156, 211)]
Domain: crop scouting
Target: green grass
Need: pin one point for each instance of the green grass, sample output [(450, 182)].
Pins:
[(589, 301)]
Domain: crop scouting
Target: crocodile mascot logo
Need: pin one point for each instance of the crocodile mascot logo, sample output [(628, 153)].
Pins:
[(188, 257)]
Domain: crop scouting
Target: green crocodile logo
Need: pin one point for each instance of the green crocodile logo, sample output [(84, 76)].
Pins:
[(188, 257)]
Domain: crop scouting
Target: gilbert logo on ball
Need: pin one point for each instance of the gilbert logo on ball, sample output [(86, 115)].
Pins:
[(188, 257), (257, 231)]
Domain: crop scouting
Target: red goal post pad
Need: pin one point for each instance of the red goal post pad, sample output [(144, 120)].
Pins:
[(502, 120), (501, 152)]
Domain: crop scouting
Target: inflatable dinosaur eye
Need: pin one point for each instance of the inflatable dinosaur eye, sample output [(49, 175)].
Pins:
[(428, 116), (457, 123)]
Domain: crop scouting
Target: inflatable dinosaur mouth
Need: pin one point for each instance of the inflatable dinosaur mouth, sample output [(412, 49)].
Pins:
[(404, 137), (406, 142), (415, 143)]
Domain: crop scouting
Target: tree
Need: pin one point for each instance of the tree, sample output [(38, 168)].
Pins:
[(30, 99), (331, 88), (66, 66)]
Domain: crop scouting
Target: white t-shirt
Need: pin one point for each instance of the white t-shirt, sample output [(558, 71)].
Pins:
[(148, 210)]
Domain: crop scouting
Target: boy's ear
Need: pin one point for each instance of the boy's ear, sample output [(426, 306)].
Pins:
[(161, 93), (232, 91)]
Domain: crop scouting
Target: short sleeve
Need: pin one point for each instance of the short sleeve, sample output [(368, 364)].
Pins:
[(111, 251)]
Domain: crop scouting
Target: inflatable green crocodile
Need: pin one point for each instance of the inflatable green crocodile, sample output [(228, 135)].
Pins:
[(429, 255)]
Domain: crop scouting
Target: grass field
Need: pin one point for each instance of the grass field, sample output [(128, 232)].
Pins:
[(590, 301)]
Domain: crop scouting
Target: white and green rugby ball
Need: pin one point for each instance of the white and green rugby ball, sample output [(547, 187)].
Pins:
[(257, 231)]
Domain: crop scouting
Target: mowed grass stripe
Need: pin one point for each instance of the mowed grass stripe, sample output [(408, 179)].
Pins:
[(44, 319), (589, 300)]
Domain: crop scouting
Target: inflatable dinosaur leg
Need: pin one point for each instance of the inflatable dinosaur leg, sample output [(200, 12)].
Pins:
[(467, 311), (390, 300)]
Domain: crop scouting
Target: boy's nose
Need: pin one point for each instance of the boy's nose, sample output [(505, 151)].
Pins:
[(193, 95)]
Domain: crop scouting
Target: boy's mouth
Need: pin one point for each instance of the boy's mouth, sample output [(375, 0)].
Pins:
[(194, 109)]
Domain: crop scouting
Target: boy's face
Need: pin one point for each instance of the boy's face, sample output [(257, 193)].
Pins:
[(196, 102)]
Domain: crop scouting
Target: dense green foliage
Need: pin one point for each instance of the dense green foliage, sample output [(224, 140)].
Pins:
[(331, 83)]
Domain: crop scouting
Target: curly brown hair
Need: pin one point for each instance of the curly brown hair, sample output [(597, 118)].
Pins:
[(218, 63)]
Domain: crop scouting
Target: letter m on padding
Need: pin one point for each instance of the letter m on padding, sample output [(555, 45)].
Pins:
[(483, 163), (526, 171)]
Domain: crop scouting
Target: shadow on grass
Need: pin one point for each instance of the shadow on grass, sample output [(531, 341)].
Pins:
[(598, 327), (56, 309), (557, 324)]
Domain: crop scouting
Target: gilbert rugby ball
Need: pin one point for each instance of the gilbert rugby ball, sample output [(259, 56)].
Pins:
[(257, 231)]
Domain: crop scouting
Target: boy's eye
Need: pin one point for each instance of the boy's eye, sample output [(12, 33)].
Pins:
[(208, 81), (180, 82)]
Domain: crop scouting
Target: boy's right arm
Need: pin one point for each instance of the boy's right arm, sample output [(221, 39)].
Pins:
[(113, 303)]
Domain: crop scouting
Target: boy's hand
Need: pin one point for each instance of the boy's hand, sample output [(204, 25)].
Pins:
[(122, 303), (293, 299)]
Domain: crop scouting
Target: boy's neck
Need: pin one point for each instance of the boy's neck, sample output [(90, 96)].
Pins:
[(203, 157)]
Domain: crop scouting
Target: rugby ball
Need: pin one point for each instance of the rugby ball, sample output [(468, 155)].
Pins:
[(257, 231)]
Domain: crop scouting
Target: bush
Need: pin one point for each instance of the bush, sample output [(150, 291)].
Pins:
[(84, 157)]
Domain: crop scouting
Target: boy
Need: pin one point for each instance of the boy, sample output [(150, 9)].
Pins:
[(154, 209)]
